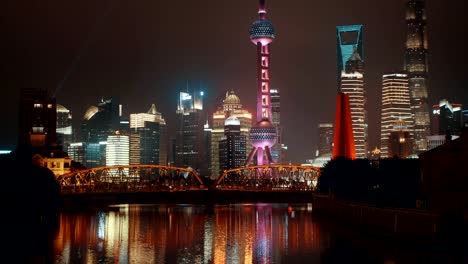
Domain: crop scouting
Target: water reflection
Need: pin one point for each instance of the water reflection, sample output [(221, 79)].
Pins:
[(244, 233), (247, 233)]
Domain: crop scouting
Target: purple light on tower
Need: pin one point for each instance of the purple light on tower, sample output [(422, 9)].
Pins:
[(263, 133)]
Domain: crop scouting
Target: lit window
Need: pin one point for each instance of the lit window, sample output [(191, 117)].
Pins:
[(49, 106), (37, 105)]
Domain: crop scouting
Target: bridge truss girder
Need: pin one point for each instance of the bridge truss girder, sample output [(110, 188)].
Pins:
[(270, 177), (131, 178)]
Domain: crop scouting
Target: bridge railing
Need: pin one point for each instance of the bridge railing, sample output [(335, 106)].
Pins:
[(132, 178), (275, 177)]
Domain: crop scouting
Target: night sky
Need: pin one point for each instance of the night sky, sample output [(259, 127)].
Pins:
[(145, 52)]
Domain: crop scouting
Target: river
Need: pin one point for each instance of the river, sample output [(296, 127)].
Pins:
[(237, 233)]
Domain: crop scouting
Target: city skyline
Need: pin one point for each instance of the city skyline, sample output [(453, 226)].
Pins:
[(136, 52)]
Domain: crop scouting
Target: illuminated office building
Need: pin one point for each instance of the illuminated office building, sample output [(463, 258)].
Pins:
[(36, 118), (416, 65), (395, 107), (232, 147), (350, 69), (148, 138), (400, 141), (64, 126), (76, 151), (352, 84), (278, 151), (98, 123), (190, 121), (101, 121), (325, 142), (447, 118), (117, 150), (231, 107)]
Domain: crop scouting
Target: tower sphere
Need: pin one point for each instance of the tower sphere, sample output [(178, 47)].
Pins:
[(262, 31), (263, 134)]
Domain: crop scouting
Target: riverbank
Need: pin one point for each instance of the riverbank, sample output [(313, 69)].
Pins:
[(392, 223)]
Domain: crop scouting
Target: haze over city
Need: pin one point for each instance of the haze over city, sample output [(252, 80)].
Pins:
[(146, 52)]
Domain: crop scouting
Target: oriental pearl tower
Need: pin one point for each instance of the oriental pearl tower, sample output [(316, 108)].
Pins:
[(263, 133)]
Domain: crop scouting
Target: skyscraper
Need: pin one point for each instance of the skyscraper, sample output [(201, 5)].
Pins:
[(37, 118), (148, 142), (64, 126), (101, 121), (231, 107), (190, 121), (325, 143), (277, 151), (352, 84), (118, 150), (416, 65), (232, 147), (263, 133), (447, 118), (395, 107), (349, 41)]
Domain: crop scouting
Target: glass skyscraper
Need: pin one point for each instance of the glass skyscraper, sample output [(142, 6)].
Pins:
[(232, 147), (64, 126), (351, 81), (190, 120), (349, 39), (416, 65)]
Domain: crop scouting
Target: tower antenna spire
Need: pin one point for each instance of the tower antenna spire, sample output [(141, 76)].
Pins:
[(261, 9)]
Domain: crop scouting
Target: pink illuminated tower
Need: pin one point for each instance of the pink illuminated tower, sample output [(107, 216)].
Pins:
[(263, 133)]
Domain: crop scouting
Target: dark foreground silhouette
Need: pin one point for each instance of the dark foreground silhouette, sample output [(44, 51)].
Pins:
[(30, 209)]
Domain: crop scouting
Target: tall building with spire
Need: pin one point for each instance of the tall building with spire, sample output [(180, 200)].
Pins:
[(263, 133), (351, 82), (230, 108), (416, 65)]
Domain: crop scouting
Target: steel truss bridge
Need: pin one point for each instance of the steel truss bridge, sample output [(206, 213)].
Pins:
[(154, 178), (274, 177)]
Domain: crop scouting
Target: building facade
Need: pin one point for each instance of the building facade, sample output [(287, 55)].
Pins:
[(349, 40), (351, 81), (101, 121), (232, 147), (416, 65), (395, 106), (190, 120), (37, 123), (278, 151), (148, 138), (447, 118), (400, 141), (118, 150), (231, 107), (64, 131), (325, 141)]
